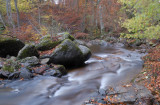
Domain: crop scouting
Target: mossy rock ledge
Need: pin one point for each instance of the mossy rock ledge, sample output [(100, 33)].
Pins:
[(10, 46), (47, 45), (69, 54), (28, 51)]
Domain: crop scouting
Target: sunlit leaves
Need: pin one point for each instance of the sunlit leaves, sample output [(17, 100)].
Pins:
[(145, 22)]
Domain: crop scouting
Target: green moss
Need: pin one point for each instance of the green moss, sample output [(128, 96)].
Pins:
[(28, 51), (47, 45), (11, 65)]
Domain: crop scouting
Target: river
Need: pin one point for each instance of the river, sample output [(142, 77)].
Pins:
[(108, 66)]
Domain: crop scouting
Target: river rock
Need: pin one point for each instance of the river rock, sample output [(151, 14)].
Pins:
[(30, 61), (61, 68), (28, 51), (25, 74), (40, 69), (67, 54), (10, 46), (86, 52), (4, 74), (52, 72), (14, 75)]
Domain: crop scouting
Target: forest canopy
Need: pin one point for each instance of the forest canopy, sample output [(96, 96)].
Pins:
[(97, 18), (144, 17)]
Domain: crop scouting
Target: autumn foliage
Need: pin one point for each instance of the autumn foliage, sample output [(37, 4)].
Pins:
[(76, 16), (151, 71)]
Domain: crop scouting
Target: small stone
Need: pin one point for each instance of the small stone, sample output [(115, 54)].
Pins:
[(44, 61)]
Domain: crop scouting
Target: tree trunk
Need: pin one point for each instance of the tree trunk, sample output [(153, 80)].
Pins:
[(1, 19), (17, 10), (83, 26), (39, 15), (9, 13), (101, 17)]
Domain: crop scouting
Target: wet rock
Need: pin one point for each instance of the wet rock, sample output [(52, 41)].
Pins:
[(67, 54), (4, 74), (27, 51), (14, 75), (61, 68), (10, 46), (41, 69), (86, 52), (44, 61), (30, 61), (52, 72), (79, 42), (25, 73)]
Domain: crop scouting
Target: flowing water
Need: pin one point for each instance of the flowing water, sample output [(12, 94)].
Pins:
[(108, 66)]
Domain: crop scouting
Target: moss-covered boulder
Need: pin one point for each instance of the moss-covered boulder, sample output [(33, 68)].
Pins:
[(28, 51), (10, 46), (47, 44), (67, 54)]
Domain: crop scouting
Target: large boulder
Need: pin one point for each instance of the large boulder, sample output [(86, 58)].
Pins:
[(68, 54), (28, 51), (10, 46)]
